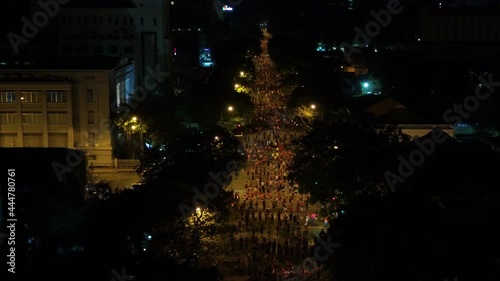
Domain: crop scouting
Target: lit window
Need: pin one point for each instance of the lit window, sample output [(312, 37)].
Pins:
[(56, 97), (172, 3), (30, 97), (7, 96)]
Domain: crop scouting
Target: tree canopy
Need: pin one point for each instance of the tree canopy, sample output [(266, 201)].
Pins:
[(343, 159)]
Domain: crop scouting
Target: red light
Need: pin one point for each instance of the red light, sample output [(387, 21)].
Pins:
[(333, 198)]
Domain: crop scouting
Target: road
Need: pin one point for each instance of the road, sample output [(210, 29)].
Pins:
[(271, 213)]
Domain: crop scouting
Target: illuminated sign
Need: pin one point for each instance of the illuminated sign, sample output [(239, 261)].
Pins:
[(227, 8)]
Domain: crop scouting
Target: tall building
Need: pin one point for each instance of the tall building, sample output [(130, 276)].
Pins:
[(135, 29), (460, 25), (139, 30), (190, 23), (49, 103), (343, 4)]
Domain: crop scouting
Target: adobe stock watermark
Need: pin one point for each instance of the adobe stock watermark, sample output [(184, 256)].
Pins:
[(219, 5), (40, 19), (322, 252), (372, 28), (152, 80), (210, 190), (427, 147)]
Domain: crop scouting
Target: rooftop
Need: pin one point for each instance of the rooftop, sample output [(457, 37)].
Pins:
[(51, 63)]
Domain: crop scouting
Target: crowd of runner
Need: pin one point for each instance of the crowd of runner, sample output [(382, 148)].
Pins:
[(273, 218)]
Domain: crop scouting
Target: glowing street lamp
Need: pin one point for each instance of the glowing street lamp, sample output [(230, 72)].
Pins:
[(133, 127), (134, 119), (242, 74), (313, 106), (229, 108), (236, 86)]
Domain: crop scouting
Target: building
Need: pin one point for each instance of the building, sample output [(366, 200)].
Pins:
[(190, 27), (139, 30), (135, 29), (388, 111), (460, 25), (62, 103), (343, 4)]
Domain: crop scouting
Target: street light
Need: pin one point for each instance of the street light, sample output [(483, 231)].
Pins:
[(313, 106), (229, 108), (242, 74), (134, 119), (236, 86)]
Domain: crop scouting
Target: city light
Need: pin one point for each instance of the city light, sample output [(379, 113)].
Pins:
[(365, 84), (313, 106), (134, 119), (133, 127), (236, 86), (230, 108)]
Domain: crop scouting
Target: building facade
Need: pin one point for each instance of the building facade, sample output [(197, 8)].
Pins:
[(460, 25), (139, 31), (64, 108)]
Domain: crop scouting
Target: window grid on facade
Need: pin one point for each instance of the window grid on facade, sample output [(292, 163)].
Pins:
[(56, 118), (32, 118), (30, 97), (56, 97), (90, 95), (7, 118), (8, 96), (90, 117)]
